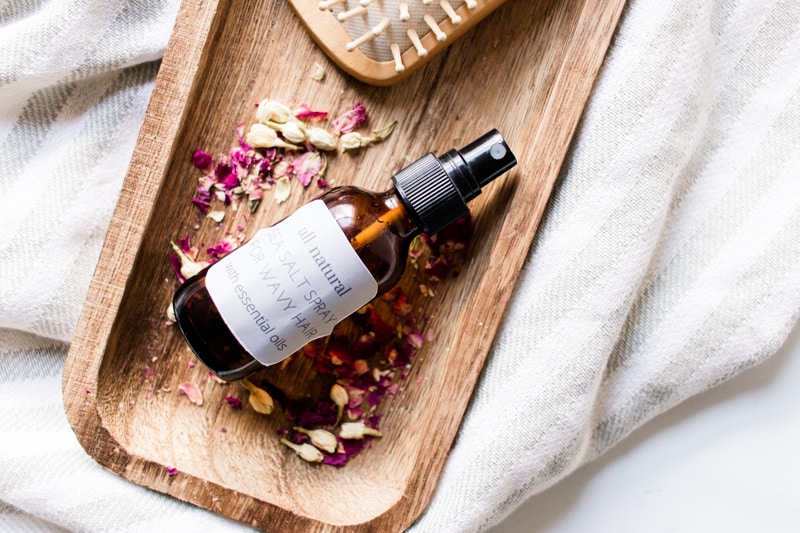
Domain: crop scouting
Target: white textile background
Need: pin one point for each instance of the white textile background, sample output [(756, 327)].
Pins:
[(668, 260)]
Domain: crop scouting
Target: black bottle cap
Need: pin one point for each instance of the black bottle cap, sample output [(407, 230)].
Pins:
[(436, 189)]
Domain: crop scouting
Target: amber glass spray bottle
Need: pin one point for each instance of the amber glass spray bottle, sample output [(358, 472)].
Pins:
[(292, 282)]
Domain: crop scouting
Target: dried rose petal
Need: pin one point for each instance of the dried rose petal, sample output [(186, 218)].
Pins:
[(304, 112), (215, 378), (337, 459), (319, 413), (234, 402), (307, 166), (203, 161), (351, 119), (221, 248), (192, 392), (171, 471)]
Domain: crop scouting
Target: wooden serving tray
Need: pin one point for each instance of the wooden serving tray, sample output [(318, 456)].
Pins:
[(526, 70)]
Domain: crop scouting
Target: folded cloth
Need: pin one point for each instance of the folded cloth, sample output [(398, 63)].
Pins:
[(667, 262)]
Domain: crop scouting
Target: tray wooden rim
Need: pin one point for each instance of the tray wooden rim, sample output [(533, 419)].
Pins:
[(177, 81)]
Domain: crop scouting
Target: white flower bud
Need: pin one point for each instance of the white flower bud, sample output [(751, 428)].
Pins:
[(294, 132), (357, 430), (322, 139), (351, 141), (324, 440), (340, 398), (270, 110), (306, 451), (282, 189), (261, 136), (189, 267)]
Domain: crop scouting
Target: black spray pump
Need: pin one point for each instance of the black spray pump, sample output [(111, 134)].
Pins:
[(345, 248), (436, 189)]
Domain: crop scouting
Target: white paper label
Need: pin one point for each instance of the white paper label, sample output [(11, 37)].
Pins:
[(290, 284)]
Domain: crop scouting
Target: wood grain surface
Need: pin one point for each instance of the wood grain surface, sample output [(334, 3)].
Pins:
[(527, 69)]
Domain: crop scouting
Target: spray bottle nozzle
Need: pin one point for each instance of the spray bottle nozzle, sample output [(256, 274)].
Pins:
[(478, 163), (437, 189)]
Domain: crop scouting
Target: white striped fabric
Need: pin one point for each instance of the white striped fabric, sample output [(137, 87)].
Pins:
[(667, 262)]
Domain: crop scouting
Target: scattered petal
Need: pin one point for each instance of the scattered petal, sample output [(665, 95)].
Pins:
[(351, 119), (216, 216), (318, 72), (234, 402), (192, 392), (307, 166), (203, 161), (171, 471), (282, 190), (304, 112)]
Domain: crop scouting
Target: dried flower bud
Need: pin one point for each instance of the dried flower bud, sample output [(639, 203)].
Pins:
[(260, 400), (189, 267), (322, 139), (357, 430), (294, 132), (324, 440), (352, 141), (383, 133), (270, 110), (306, 451), (192, 392), (262, 136), (340, 398)]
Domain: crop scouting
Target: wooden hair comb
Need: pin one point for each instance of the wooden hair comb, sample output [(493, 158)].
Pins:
[(382, 41)]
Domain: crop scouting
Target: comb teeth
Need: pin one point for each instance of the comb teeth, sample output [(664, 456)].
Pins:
[(384, 29)]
